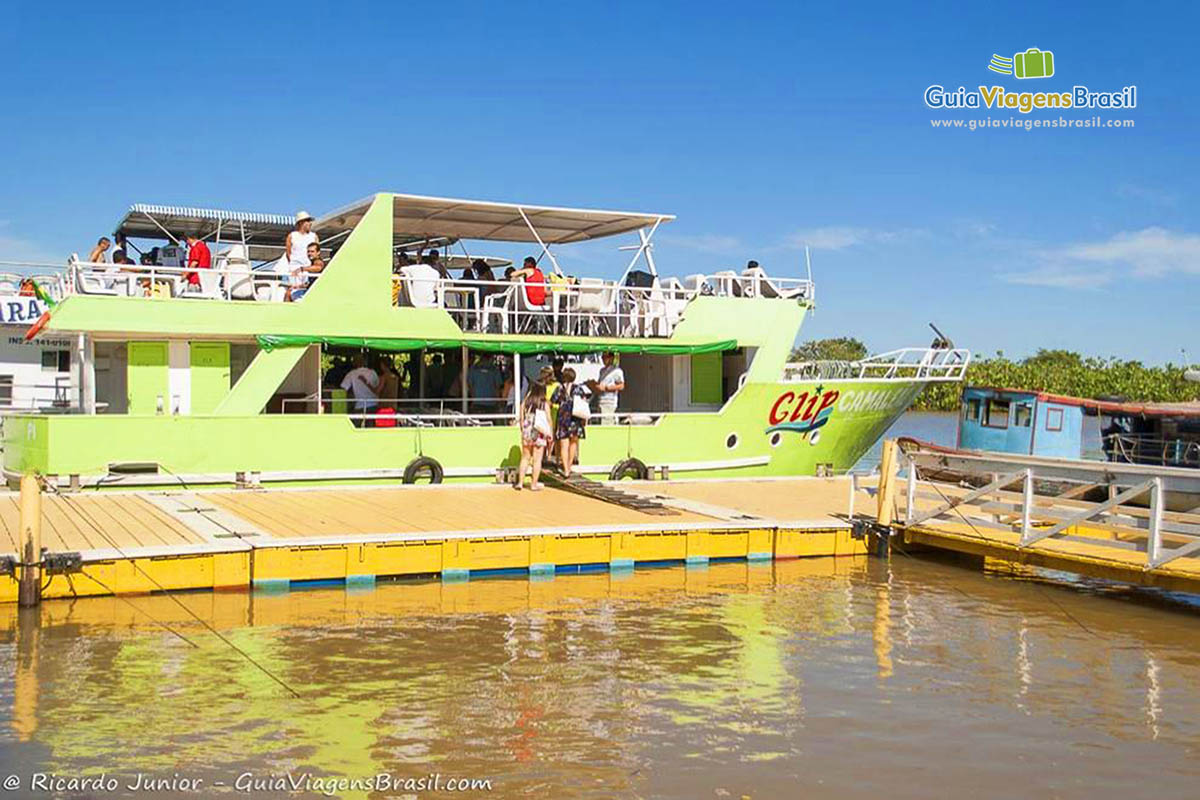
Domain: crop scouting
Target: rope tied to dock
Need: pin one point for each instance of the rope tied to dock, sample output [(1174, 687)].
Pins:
[(76, 507)]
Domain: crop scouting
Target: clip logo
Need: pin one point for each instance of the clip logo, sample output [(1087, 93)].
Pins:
[(805, 414), (1033, 63)]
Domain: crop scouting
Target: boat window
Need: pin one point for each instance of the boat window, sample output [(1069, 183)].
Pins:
[(1022, 415), (995, 414), (1054, 419), (56, 360), (971, 409)]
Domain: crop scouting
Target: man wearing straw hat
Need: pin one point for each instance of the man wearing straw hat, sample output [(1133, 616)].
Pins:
[(295, 252)]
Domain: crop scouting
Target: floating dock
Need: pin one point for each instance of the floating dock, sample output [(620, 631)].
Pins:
[(1093, 519), (124, 542)]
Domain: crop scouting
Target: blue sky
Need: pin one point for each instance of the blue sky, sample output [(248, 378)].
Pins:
[(763, 127)]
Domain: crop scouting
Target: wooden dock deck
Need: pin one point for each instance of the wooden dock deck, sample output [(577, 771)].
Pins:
[(153, 541)]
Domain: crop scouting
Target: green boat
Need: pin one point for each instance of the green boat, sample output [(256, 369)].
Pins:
[(219, 380)]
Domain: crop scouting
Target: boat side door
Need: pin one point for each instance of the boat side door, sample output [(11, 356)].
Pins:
[(147, 377), (210, 375)]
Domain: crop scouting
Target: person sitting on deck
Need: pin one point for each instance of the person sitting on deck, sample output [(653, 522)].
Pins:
[(535, 281), (421, 284), (302, 279), (198, 257)]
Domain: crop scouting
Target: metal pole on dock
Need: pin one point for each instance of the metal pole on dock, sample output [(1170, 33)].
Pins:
[(30, 590)]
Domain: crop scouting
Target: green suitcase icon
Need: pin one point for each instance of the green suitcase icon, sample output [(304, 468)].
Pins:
[(1033, 63)]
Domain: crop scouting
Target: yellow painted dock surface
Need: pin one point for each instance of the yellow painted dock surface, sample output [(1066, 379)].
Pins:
[(151, 541)]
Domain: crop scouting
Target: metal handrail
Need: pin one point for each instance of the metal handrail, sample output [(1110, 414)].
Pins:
[(1134, 448), (906, 364)]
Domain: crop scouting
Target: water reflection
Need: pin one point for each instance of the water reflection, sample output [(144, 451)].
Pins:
[(738, 679)]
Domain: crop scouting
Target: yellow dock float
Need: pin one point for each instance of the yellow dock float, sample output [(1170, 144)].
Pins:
[(121, 542), (1040, 518)]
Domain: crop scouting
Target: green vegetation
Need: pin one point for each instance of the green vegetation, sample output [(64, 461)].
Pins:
[(845, 348), (1057, 371)]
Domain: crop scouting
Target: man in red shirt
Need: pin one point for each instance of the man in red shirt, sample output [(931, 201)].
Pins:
[(198, 257), (535, 281)]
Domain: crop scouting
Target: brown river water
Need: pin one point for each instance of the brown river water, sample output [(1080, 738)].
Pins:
[(842, 678)]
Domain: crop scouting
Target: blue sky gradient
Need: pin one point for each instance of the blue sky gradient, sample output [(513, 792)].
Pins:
[(762, 126)]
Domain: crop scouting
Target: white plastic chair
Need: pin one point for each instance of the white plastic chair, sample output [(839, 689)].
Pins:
[(90, 281), (729, 283), (209, 289), (675, 299), (531, 317), (695, 284), (496, 305), (237, 272), (596, 304)]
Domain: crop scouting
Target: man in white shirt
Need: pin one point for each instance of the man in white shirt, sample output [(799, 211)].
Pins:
[(362, 382), (420, 280), (608, 386)]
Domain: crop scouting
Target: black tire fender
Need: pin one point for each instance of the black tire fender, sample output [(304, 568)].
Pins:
[(630, 468), (423, 464)]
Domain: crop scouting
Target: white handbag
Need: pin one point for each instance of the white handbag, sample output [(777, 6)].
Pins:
[(580, 409)]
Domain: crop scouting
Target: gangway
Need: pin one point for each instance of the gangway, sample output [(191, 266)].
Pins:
[(1080, 517)]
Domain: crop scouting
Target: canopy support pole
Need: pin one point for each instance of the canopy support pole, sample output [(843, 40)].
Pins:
[(545, 249), (462, 379), (644, 247), (516, 385), (158, 225)]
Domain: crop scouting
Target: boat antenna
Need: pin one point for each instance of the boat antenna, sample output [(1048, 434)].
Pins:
[(812, 287), (942, 342)]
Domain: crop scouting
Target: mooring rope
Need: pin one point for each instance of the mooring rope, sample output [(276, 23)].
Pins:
[(250, 659)]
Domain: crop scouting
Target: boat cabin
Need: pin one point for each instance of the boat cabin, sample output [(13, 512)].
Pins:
[(1044, 424)]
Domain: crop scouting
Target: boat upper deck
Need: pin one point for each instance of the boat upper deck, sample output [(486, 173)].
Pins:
[(384, 250)]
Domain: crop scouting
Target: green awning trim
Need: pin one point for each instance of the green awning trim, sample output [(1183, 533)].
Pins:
[(525, 347)]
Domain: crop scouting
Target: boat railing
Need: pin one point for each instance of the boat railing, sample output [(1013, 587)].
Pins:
[(225, 281), (43, 397), (446, 412), (573, 307), (1132, 448), (14, 276), (906, 364), (584, 306)]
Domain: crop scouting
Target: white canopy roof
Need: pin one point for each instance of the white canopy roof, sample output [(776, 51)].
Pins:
[(418, 217), (148, 221)]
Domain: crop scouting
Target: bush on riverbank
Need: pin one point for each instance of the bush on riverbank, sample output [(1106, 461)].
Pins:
[(1065, 372), (1056, 371)]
